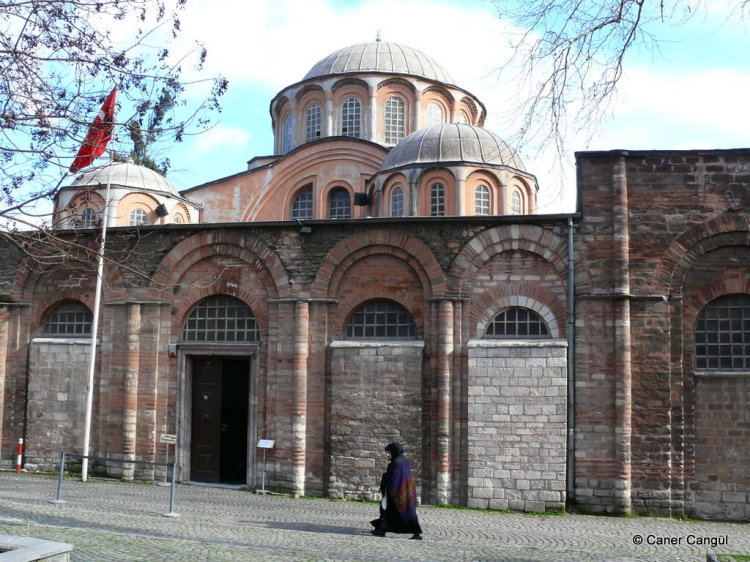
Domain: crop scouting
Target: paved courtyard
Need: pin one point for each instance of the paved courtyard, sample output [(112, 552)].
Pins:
[(115, 521)]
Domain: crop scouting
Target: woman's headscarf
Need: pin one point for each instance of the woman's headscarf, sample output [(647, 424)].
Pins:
[(395, 449)]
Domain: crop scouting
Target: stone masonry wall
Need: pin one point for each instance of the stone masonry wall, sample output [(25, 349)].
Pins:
[(58, 374), (376, 398), (517, 424)]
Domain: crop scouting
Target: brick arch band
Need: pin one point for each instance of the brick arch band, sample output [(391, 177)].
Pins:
[(347, 252), (722, 231), (206, 245), (527, 237)]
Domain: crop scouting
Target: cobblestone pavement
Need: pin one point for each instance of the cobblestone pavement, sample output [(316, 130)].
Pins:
[(115, 521)]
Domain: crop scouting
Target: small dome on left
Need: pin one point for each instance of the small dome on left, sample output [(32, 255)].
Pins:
[(126, 174), (138, 196)]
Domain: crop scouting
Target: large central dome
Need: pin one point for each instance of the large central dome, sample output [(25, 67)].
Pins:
[(380, 56)]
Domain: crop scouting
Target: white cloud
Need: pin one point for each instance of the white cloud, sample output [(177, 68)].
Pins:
[(221, 138)]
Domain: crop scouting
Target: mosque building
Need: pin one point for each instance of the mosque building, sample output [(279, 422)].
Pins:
[(385, 275)]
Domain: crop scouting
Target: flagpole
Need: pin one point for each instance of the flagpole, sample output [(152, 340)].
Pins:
[(95, 323)]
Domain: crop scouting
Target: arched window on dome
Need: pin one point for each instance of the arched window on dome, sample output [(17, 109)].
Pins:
[(221, 318), (351, 117), (517, 323), (434, 114), (394, 120), (302, 208), (286, 135), (380, 320), (437, 200), (397, 202), (138, 217), (722, 334), (313, 122), (70, 319), (516, 203), (482, 200), (339, 204), (88, 218)]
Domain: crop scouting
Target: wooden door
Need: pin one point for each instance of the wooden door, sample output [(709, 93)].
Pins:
[(205, 457)]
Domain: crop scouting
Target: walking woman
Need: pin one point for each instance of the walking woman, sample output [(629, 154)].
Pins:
[(398, 510)]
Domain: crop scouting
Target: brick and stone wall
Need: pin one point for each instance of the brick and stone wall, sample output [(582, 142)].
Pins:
[(376, 398), (517, 424)]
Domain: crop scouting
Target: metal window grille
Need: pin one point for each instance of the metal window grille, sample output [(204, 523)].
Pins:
[(69, 319), (339, 207), (520, 323), (722, 334), (515, 203), (302, 208), (394, 120), (138, 217), (482, 200), (313, 122), (437, 200), (287, 135), (381, 320), (434, 115), (221, 319), (397, 203), (351, 115), (177, 219), (88, 218)]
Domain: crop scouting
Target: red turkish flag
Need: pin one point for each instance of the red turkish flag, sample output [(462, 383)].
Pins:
[(98, 136)]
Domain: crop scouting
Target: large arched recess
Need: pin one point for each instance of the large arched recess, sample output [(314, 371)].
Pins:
[(705, 262), (346, 159)]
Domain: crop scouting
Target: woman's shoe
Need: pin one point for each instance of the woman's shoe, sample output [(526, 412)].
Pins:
[(378, 532), (416, 537)]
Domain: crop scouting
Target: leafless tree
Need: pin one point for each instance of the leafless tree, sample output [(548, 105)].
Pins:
[(569, 60), (58, 61)]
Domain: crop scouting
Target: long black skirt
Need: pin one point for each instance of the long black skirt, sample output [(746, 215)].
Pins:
[(390, 521)]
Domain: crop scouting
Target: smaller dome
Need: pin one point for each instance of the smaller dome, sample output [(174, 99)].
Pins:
[(127, 175), (452, 143), (380, 56)]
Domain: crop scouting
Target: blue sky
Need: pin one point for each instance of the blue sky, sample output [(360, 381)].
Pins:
[(693, 94)]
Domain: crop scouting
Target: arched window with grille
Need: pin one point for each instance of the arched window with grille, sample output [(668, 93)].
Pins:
[(722, 334), (313, 122), (339, 205), (437, 199), (434, 114), (397, 202), (138, 217), (517, 323), (221, 318), (302, 207), (482, 200), (70, 319), (381, 320), (351, 117), (286, 135), (88, 218), (394, 120)]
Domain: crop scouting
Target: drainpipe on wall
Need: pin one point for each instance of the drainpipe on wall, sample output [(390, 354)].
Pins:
[(570, 491)]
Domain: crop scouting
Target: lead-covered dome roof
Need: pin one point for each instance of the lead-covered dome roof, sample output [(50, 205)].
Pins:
[(452, 143), (380, 56), (127, 175)]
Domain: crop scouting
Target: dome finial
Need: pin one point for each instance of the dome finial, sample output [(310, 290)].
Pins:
[(377, 38)]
